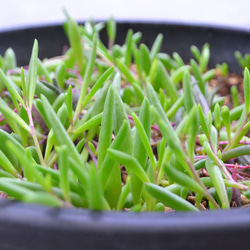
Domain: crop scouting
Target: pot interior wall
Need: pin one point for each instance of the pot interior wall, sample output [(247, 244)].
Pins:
[(52, 39)]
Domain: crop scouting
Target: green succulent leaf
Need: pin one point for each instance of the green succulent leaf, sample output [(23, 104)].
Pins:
[(156, 46), (216, 176), (247, 90), (32, 74), (169, 199), (183, 179), (87, 77), (95, 189), (74, 36), (13, 118), (130, 162), (64, 172), (106, 131), (59, 130), (141, 148), (13, 89)]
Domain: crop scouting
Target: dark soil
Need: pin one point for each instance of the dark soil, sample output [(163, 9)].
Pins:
[(224, 85)]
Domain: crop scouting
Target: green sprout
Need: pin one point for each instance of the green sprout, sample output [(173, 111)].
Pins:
[(243, 60), (223, 69)]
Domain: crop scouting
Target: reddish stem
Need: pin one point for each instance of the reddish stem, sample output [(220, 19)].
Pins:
[(2, 118), (240, 142), (238, 166), (236, 174), (79, 77), (155, 127), (55, 166), (91, 154)]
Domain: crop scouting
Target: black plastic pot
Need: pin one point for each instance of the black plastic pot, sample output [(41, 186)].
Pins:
[(33, 227)]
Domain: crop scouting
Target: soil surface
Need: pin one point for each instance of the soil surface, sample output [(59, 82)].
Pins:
[(224, 85)]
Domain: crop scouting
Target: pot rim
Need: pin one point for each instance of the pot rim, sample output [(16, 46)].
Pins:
[(168, 22), (29, 226), (85, 219)]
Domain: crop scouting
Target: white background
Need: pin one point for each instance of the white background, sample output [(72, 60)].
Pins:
[(228, 13)]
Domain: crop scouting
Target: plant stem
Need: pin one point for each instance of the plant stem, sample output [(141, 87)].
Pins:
[(34, 136), (198, 180), (240, 133), (237, 175), (240, 142), (91, 154), (238, 166), (51, 160)]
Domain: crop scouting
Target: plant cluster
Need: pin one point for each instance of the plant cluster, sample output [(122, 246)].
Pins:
[(121, 127)]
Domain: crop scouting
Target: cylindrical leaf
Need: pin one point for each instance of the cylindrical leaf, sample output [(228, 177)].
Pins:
[(106, 130), (32, 74), (130, 163), (183, 179), (94, 189), (169, 199), (226, 119), (247, 90), (188, 93), (63, 171), (216, 176)]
